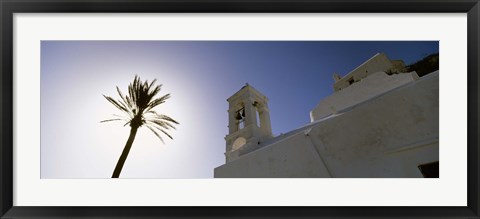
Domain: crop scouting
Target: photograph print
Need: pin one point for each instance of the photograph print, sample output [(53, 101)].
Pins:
[(239, 109)]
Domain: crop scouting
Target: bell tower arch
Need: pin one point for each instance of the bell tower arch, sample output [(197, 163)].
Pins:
[(248, 122)]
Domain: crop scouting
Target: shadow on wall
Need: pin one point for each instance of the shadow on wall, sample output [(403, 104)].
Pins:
[(426, 65)]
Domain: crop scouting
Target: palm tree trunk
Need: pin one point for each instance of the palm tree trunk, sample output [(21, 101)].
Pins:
[(126, 150)]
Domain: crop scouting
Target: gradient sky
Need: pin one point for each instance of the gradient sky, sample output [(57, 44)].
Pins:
[(200, 76)]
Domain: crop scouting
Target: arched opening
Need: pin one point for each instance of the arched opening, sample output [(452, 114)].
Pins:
[(239, 116), (258, 117)]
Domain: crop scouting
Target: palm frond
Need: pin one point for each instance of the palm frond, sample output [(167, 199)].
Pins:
[(115, 103), (138, 106), (164, 132), (124, 101), (109, 120), (155, 90), (168, 118), (157, 102), (131, 104), (153, 115), (163, 124), (154, 132), (153, 82), (162, 129)]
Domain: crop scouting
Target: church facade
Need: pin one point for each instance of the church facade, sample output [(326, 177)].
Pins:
[(377, 123)]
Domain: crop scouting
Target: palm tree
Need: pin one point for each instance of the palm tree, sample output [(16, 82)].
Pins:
[(137, 108)]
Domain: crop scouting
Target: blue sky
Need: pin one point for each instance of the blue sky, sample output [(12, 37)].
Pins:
[(200, 76)]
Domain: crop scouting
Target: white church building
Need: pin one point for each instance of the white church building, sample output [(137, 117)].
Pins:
[(377, 123)]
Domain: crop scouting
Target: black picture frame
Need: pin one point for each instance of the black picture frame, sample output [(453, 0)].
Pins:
[(9, 7)]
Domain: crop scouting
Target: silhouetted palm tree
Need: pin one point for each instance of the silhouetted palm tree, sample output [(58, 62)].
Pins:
[(137, 107)]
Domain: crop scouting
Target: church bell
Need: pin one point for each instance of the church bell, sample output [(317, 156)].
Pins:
[(240, 114)]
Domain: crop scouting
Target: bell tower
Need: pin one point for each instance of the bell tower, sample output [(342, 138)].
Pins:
[(248, 122)]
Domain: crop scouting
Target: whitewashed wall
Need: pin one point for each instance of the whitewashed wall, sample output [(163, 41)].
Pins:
[(387, 136), (379, 62), (374, 85)]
